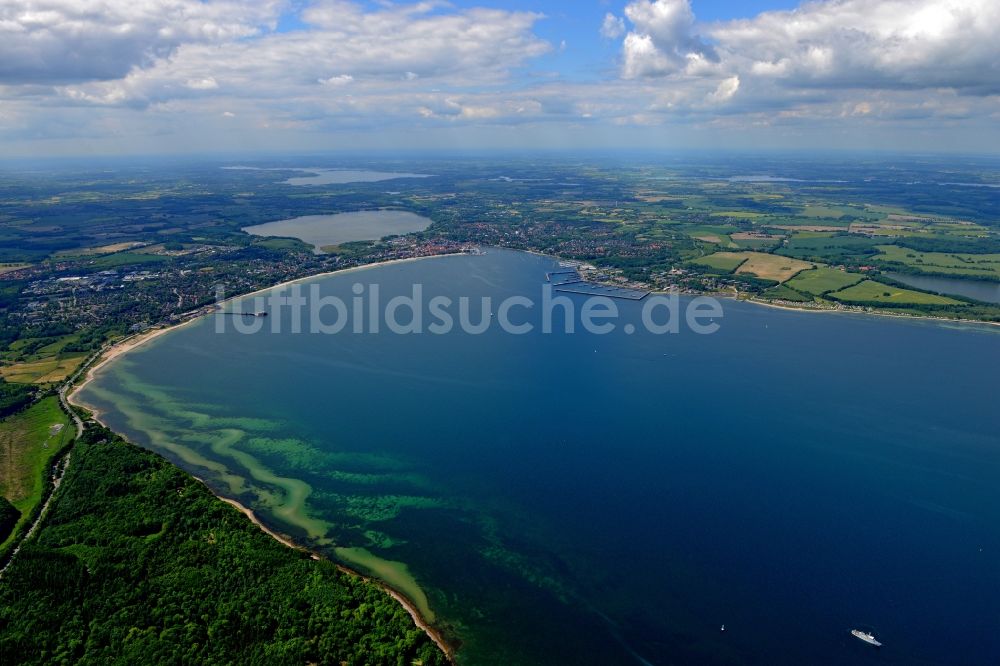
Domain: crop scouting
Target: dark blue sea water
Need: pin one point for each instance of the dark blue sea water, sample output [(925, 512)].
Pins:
[(614, 499)]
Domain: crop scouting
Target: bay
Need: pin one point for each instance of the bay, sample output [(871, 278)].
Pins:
[(593, 499)]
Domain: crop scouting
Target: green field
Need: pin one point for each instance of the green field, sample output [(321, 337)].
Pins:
[(725, 262), (827, 211), (986, 266), (784, 293), (812, 224), (760, 264), (705, 232), (756, 243), (126, 259), (283, 244), (771, 266), (821, 280), (870, 291), (962, 229), (92, 251), (738, 214), (831, 250), (28, 442), (54, 369)]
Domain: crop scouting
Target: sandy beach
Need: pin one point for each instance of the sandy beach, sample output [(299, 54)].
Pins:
[(248, 512), (877, 313), (111, 353), (418, 620), (831, 311)]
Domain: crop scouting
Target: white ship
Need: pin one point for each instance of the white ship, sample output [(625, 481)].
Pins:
[(865, 636)]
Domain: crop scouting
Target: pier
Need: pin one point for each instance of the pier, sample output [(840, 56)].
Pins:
[(571, 282), (597, 289), (563, 277), (261, 313)]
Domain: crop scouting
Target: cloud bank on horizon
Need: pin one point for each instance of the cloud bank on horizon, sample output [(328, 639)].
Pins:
[(162, 75)]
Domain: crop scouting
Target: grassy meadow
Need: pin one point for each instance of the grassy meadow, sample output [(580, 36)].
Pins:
[(725, 262), (53, 369), (870, 291), (819, 281), (772, 266), (29, 441)]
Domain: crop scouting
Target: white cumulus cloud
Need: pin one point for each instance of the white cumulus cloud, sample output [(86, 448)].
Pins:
[(836, 44), (409, 43), (663, 39), (892, 44), (62, 41), (159, 68)]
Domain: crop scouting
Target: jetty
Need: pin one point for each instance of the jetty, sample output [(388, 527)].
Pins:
[(598, 289), (572, 282), (563, 277), (259, 313)]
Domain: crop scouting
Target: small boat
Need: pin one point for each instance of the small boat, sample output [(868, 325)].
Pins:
[(866, 636)]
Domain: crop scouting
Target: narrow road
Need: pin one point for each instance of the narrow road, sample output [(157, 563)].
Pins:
[(77, 421)]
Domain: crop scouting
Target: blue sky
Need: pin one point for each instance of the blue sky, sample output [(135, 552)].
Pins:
[(202, 75), (586, 55)]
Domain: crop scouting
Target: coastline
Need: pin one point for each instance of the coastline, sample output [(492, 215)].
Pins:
[(109, 354), (785, 306), (133, 342), (876, 313), (339, 271), (410, 608)]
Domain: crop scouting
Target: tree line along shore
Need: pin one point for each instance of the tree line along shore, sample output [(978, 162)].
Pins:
[(138, 562)]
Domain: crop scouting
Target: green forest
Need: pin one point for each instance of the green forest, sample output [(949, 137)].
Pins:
[(138, 563)]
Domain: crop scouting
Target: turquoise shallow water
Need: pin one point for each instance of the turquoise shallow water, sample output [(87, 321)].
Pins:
[(577, 499)]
